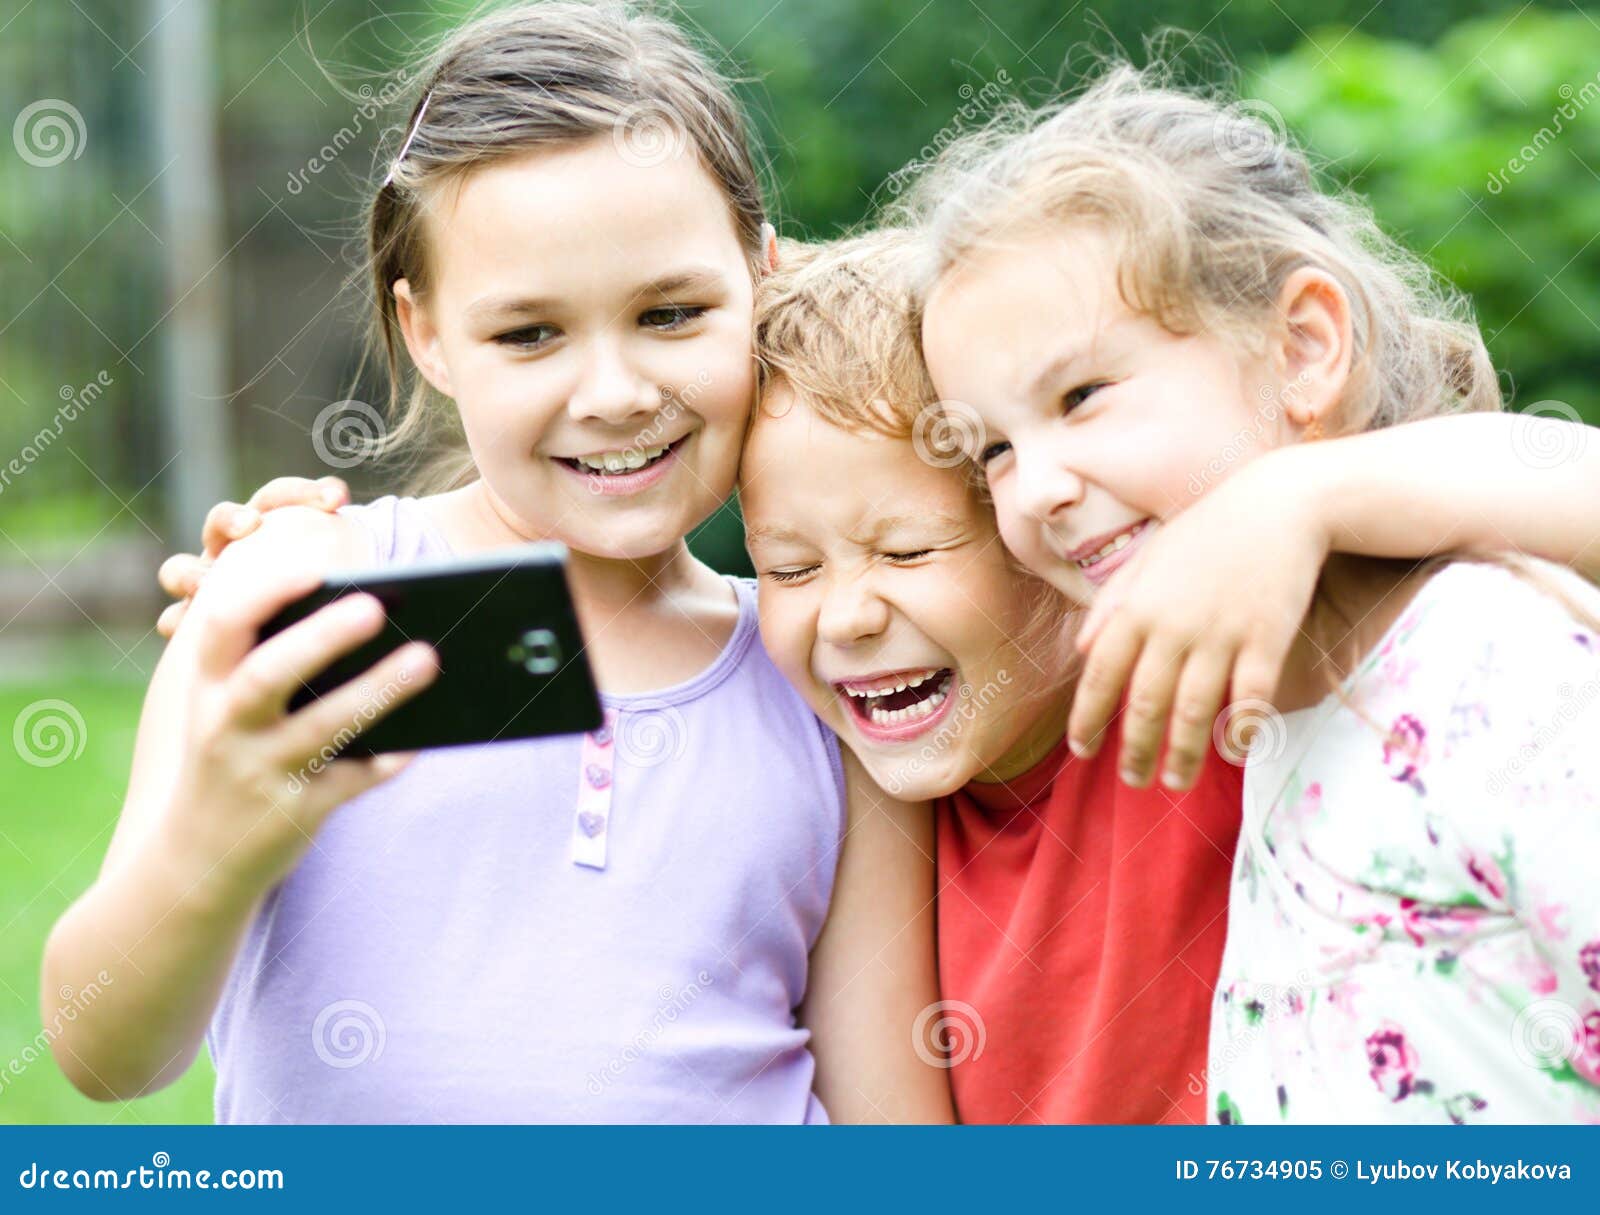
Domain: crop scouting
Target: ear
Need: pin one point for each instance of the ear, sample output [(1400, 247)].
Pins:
[(769, 245), (422, 337), (1314, 345)]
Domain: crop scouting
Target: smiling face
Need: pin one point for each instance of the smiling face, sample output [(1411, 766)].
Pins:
[(889, 602), (1097, 423), (591, 319)]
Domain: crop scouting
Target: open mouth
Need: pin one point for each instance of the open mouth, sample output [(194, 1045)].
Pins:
[(624, 461), (900, 700), (1105, 560)]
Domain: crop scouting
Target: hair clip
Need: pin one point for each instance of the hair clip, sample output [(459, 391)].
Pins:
[(406, 146)]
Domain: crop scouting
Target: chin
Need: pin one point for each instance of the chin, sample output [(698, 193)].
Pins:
[(914, 779)]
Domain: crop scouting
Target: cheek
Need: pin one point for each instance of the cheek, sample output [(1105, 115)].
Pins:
[(788, 635)]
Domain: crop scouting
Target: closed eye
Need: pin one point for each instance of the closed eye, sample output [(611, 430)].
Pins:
[(1071, 399), (914, 555), (791, 575), (992, 452)]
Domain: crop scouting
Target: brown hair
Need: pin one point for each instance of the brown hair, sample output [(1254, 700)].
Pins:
[(538, 75)]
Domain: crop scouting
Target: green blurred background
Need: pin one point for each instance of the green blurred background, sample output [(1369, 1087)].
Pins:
[(165, 240)]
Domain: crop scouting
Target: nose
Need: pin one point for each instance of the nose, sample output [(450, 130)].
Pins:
[(851, 611), (1045, 486), (609, 389)]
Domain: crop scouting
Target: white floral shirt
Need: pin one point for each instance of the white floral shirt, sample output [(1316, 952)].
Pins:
[(1414, 924)]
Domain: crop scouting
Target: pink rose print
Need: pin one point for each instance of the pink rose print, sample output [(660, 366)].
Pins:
[(1405, 753), (1486, 872), (1586, 1058), (1424, 922), (1589, 960), (1394, 1062)]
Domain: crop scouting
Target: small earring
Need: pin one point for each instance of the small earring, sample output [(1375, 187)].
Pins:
[(1313, 432)]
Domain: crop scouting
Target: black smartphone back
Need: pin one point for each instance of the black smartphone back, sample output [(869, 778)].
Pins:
[(511, 657)]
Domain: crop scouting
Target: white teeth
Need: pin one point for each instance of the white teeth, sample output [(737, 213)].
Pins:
[(1113, 546), (622, 461), (916, 712)]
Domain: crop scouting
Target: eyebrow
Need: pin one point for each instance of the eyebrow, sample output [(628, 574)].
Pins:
[(694, 278), (1054, 369), (777, 534)]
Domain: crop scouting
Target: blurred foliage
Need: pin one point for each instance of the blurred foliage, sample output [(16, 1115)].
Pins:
[(1483, 153)]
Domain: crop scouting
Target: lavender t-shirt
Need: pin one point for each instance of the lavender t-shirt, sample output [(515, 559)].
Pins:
[(599, 928)]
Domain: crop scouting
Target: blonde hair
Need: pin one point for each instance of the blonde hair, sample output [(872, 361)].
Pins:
[(523, 78), (1211, 210), (835, 321)]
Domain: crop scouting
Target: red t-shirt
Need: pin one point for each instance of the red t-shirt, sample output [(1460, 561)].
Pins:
[(1083, 922)]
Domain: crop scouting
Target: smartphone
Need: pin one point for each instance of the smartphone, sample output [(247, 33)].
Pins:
[(511, 658)]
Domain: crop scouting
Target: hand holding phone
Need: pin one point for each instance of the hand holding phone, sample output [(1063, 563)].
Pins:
[(510, 653)]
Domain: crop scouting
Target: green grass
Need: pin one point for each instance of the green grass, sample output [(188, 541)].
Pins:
[(54, 825)]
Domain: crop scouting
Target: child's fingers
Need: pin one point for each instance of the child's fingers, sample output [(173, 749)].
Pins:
[(1201, 688), (337, 782), (1144, 720), (325, 493), (269, 674), (171, 617), (352, 707), (1257, 670), (180, 574), (1099, 690), (225, 523)]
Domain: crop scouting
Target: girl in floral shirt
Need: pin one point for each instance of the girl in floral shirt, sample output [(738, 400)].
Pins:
[(1130, 300)]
